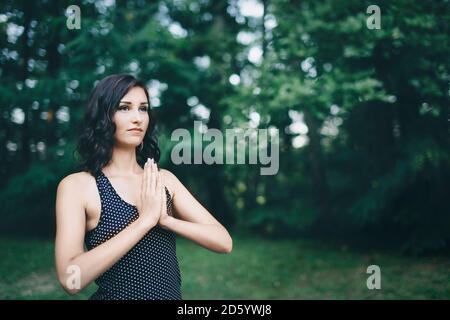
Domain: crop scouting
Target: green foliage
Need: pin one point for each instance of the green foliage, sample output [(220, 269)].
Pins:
[(375, 158), (256, 269), (29, 199), (285, 221)]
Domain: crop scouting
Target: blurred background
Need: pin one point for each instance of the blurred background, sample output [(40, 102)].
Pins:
[(360, 99)]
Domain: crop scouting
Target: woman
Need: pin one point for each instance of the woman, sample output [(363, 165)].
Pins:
[(124, 208)]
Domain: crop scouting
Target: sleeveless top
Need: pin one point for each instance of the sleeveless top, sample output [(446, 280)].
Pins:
[(150, 270)]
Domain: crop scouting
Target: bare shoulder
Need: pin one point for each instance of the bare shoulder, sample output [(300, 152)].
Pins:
[(170, 180), (77, 185), (75, 180), (167, 174)]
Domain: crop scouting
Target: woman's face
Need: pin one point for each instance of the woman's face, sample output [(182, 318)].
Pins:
[(132, 113)]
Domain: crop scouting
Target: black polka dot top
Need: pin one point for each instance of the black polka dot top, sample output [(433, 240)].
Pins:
[(150, 269)]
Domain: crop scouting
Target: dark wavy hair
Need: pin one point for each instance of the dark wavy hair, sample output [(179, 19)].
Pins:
[(96, 139)]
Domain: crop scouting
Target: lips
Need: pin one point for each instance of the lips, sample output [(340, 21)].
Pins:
[(138, 130)]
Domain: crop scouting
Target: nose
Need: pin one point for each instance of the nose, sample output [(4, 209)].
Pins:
[(137, 117)]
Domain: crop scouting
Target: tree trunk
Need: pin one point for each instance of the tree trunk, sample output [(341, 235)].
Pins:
[(318, 172)]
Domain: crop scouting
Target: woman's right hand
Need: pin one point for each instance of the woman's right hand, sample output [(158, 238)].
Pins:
[(150, 204)]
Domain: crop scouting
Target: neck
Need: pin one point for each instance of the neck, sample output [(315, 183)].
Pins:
[(123, 162)]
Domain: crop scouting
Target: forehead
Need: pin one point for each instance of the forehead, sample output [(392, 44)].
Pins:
[(135, 94)]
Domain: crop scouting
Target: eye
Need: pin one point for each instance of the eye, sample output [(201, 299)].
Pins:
[(144, 109), (123, 107)]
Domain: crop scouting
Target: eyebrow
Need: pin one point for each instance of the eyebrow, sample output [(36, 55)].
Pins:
[(128, 102)]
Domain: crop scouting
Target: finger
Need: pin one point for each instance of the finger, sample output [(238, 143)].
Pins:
[(149, 173), (152, 178), (158, 174), (142, 182), (160, 193), (144, 179), (157, 183), (161, 181)]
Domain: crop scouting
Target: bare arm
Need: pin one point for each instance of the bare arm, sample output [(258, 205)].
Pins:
[(70, 232), (195, 222)]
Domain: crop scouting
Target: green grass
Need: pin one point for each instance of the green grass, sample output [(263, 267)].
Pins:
[(256, 269)]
